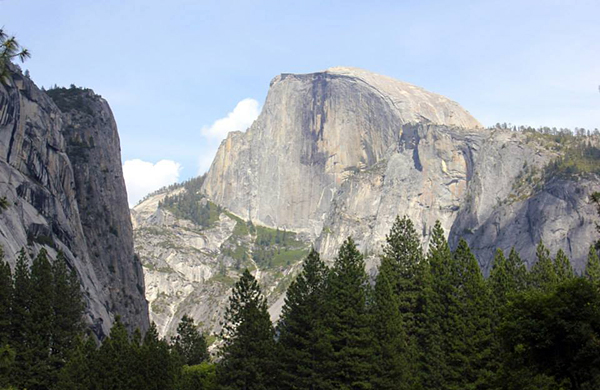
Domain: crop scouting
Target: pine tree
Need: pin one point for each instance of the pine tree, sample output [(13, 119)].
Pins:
[(404, 253), (471, 358), (562, 267), (21, 320), (80, 372), (392, 356), (507, 277), (592, 268), (6, 293), (439, 308), (41, 325), (298, 326), (190, 343), (543, 274), (516, 267), (116, 360), (347, 336), (500, 281), (67, 311), (157, 367), (248, 339)]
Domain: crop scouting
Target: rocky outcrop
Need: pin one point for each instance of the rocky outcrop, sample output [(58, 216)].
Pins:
[(190, 269), (60, 172), (342, 152)]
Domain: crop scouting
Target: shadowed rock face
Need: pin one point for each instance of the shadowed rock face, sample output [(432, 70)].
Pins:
[(342, 152), (60, 170)]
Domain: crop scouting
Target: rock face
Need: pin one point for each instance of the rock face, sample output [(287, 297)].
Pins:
[(314, 131), (190, 269), (60, 171), (342, 152)]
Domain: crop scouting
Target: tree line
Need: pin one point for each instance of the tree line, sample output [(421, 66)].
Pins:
[(44, 343), (428, 321)]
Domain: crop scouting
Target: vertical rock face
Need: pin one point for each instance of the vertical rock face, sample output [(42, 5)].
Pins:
[(342, 152), (314, 132), (94, 149), (60, 172)]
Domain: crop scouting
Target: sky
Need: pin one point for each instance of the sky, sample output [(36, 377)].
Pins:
[(180, 74)]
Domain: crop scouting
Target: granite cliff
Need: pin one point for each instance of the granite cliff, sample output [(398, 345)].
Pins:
[(60, 171), (342, 152)]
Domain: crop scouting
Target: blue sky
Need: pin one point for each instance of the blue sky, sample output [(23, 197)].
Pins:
[(171, 69)]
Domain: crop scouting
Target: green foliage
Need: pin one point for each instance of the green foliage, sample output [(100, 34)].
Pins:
[(202, 376), (190, 343), (116, 361), (392, 357), (592, 268), (6, 297), (438, 300), (507, 277), (554, 334), (429, 322), (21, 318), (578, 157), (191, 204), (157, 367), (458, 321), (346, 339), (40, 316), (39, 331), (299, 323), (247, 355), (9, 50), (543, 273), (4, 203), (404, 254), (562, 266), (72, 98)]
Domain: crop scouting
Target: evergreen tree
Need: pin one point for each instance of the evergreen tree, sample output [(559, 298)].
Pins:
[(80, 372), (6, 293), (553, 334), (40, 328), (67, 311), (404, 253), (116, 360), (21, 320), (500, 281), (508, 276), (157, 367), (7, 361), (298, 326), (190, 343), (471, 338), (248, 339), (562, 267), (518, 270), (439, 308), (392, 356), (346, 335), (592, 268), (543, 274)]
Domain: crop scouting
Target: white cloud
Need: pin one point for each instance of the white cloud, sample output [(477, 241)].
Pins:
[(142, 177), (242, 116)]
